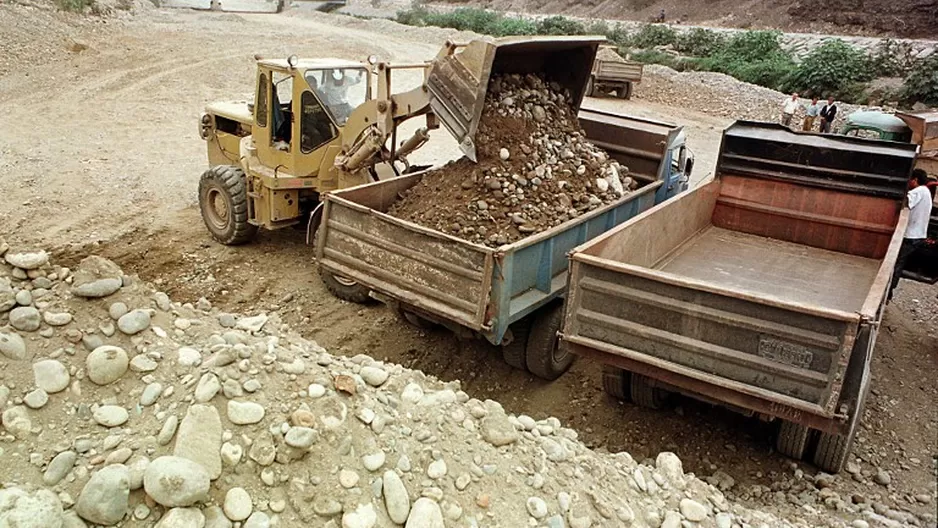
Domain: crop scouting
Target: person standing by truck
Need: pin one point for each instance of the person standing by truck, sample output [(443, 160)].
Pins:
[(810, 115), (788, 109), (919, 201), (828, 113)]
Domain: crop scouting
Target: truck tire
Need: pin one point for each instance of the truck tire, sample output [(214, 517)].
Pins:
[(589, 87), (223, 200), (644, 394), (792, 439), (345, 289), (625, 92), (514, 352), (544, 355), (416, 320), (832, 451), (616, 382)]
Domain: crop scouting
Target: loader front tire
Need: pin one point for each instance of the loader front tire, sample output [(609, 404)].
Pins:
[(223, 200)]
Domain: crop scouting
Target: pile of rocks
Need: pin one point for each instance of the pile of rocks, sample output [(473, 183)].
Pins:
[(130, 409), (535, 170)]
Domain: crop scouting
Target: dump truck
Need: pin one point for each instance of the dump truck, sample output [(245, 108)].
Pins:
[(510, 296), (318, 125), (920, 128), (761, 290), (612, 73)]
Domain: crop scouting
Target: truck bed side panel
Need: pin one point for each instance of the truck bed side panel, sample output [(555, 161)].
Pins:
[(428, 270), (768, 348)]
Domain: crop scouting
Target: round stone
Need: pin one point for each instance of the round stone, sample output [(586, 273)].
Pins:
[(426, 513), (693, 510), (106, 364), (238, 506), (176, 482), (25, 318), (134, 322), (374, 376), (104, 498), (396, 498), (51, 375), (27, 260), (257, 520), (59, 467), (12, 346), (301, 437), (245, 413), (374, 461), (24, 298), (110, 415), (36, 399), (537, 508), (117, 310), (57, 319)]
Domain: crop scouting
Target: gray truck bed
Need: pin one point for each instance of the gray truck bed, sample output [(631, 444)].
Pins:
[(774, 268)]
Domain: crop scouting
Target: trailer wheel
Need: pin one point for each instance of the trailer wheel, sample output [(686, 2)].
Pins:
[(545, 356), (625, 92), (345, 289), (644, 394), (616, 382), (832, 451), (792, 439), (416, 320), (514, 352), (223, 201)]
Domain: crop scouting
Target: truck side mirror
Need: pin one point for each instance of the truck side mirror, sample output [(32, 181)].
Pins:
[(688, 167)]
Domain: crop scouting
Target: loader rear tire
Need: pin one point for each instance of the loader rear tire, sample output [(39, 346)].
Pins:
[(545, 356), (223, 200), (645, 394), (616, 382), (792, 439), (514, 352)]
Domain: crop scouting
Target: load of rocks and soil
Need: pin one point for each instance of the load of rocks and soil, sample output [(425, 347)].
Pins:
[(535, 170), (120, 406)]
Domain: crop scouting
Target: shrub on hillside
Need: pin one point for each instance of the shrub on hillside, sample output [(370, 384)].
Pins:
[(755, 57), (892, 59), (560, 25), (921, 86), (700, 42), (833, 68), (652, 35)]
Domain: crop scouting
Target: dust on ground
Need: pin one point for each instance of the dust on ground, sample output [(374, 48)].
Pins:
[(115, 173)]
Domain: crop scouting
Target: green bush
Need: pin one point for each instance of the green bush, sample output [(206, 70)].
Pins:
[(892, 59), (560, 25), (921, 86), (755, 57), (652, 56), (469, 19), (700, 42), (833, 68), (652, 35)]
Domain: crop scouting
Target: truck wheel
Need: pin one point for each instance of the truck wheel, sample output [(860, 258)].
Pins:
[(644, 394), (625, 92), (416, 320), (832, 451), (792, 439), (589, 87), (514, 353), (616, 382), (345, 289), (223, 200), (544, 355)]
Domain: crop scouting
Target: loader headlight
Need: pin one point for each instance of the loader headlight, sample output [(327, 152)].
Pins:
[(293, 60), (372, 59)]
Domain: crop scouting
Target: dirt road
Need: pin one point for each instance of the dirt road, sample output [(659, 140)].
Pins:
[(101, 151)]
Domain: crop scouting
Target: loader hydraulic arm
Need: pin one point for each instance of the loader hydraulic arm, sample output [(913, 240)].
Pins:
[(373, 123)]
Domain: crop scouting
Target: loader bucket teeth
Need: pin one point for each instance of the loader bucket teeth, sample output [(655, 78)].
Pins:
[(459, 78)]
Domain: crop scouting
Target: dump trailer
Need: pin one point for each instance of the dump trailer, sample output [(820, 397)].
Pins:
[(510, 295), (761, 290), (614, 74)]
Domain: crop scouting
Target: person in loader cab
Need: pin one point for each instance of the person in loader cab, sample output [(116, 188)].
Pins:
[(336, 91), (919, 202)]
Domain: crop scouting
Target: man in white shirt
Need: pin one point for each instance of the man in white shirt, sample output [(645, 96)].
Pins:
[(788, 109), (919, 201)]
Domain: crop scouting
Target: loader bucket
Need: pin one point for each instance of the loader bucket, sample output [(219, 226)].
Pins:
[(459, 77)]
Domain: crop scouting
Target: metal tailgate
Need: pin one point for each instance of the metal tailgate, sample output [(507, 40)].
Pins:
[(438, 273), (620, 71)]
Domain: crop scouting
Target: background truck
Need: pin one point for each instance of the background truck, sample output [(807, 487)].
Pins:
[(511, 295), (612, 73), (761, 290)]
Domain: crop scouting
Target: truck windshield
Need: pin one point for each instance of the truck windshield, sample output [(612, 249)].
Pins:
[(340, 89)]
